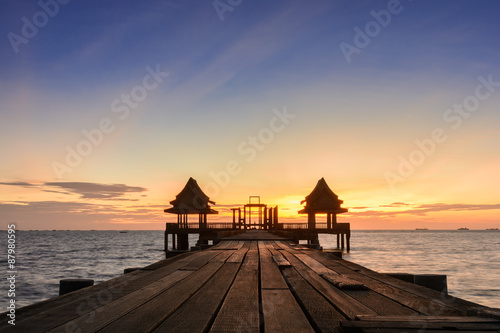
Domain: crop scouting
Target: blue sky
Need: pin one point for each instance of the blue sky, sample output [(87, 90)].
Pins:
[(225, 77)]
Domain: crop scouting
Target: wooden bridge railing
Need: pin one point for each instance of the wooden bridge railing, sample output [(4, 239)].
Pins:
[(283, 226), (196, 225)]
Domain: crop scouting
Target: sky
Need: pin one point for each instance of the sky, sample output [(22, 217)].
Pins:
[(107, 108)]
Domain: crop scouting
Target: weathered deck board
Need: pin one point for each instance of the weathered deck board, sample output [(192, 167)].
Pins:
[(146, 317), (425, 301), (202, 306), (240, 310), (342, 302), (323, 316), (94, 320), (102, 294), (270, 275), (282, 313), (425, 322), (254, 283)]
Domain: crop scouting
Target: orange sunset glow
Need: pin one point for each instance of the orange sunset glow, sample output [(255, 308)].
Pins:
[(103, 120)]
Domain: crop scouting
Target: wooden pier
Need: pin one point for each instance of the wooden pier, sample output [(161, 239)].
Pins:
[(255, 282), (254, 215)]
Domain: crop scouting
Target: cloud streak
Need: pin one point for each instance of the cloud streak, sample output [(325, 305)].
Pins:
[(86, 190), (421, 210)]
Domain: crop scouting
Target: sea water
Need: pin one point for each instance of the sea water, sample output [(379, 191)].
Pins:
[(470, 259)]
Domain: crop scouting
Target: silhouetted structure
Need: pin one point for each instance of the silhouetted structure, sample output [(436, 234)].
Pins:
[(254, 215), (191, 200), (267, 218), (322, 200)]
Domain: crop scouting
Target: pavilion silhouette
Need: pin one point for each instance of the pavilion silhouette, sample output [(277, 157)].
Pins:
[(191, 200)]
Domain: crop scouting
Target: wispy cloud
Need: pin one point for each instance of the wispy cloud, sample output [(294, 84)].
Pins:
[(76, 215), (86, 190), (396, 204), (422, 209), (23, 184)]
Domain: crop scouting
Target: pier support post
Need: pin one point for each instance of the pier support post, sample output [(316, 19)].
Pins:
[(183, 241), (69, 285), (348, 241), (433, 281)]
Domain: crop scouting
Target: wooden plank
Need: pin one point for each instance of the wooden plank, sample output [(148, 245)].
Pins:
[(168, 261), (398, 291), (66, 308), (238, 255), (196, 262), (149, 314), (419, 322), (282, 313), (240, 310), (441, 319), (315, 265), (281, 261), (414, 330), (270, 275), (196, 314), (25, 316), (101, 316), (344, 282), (380, 304), (456, 303), (345, 304), (277, 256), (371, 300), (223, 244), (322, 315), (117, 286), (222, 256)]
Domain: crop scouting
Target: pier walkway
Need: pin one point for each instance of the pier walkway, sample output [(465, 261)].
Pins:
[(254, 282)]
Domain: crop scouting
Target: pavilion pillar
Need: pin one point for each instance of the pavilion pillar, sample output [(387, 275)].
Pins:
[(183, 240), (166, 240), (329, 221), (348, 241), (275, 217), (311, 221), (265, 219)]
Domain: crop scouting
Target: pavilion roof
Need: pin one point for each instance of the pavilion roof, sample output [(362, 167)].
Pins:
[(322, 200), (191, 200)]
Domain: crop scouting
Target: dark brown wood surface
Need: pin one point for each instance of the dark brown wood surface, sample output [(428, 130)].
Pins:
[(254, 282)]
